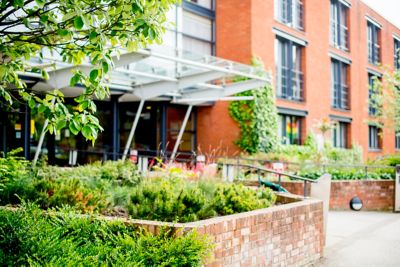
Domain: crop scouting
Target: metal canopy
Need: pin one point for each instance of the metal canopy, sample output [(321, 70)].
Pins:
[(177, 76), (146, 75)]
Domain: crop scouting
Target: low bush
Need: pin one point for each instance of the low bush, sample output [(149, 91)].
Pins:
[(66, 238)]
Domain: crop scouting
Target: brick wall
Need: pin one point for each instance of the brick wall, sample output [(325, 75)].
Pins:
[(284, 235), (375, 194), (240, 35)]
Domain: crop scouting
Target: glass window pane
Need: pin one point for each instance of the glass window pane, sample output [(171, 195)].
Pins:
[(196, 25), (197, 46)]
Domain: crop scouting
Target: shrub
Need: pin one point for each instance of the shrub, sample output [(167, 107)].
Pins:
[(66, 238), (179, 200)]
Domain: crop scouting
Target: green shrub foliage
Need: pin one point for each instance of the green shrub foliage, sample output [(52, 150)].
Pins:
[(257, 119), (66, 238), (177, 200), (352, 174), (116, 188)]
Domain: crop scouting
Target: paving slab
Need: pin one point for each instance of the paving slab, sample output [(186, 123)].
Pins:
[(362, 239)]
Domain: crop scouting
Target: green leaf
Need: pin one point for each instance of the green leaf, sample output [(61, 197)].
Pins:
[(93, 74), (40, 3), (61, 124), (152, 33), (62, 32), (45, 75), (44, 18), (31, 103), (75, 79), (104, 65), (78, 22), (87, 132), (19, 3), (92, 36), (41, 108)]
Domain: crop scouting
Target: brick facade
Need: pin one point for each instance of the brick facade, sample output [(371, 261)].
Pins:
[(284, 235), (245, 28)]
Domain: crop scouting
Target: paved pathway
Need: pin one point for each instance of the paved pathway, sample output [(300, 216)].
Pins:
[(362, 239)]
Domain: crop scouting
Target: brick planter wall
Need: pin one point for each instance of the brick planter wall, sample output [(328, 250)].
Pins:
[(284, 235), (375, 194)]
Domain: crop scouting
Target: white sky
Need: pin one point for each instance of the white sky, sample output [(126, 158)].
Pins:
[(389, 9)]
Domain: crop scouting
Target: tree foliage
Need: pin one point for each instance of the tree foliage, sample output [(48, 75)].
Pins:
[(77, 31), (257, 118), (385, 101)]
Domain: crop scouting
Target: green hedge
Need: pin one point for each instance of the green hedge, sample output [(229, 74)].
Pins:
[(349, 174), (65, 238)]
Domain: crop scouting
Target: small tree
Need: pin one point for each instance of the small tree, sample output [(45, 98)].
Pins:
[(385, 101), (78, 31)]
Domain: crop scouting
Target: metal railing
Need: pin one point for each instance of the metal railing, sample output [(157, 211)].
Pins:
[(260, 170), (324, 167)]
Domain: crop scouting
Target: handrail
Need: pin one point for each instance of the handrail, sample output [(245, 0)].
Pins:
[(280, 174), (293, 176), (313, 164)]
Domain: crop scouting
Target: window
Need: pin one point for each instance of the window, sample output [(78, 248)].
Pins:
[(374, 138), (197, 33), (290, 12), (204, 3), (373, 43), (397, 139), (339, 25), (372, 105), (339, 135), (290, 129), (289, 70), (397, 54), (339, 84)]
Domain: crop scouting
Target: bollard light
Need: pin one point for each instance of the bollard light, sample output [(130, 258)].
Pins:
[(356, 203)]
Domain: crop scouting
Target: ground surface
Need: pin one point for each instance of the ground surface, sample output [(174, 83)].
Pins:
[(362, 239)]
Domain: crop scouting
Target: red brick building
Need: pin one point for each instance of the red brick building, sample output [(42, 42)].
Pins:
[(322, 54)]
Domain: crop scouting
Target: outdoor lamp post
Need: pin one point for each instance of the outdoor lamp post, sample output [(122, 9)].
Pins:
[(356, 203)]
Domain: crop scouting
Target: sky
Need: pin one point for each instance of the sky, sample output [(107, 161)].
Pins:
[(389, 9)]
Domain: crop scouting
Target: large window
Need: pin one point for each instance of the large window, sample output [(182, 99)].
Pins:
[(197, 33), (290, 129), (373, 43), (372, 105), (339, 84), (289, 70), (397, 54), (290, 12), (339, 25), (374, 138), (340, 134)]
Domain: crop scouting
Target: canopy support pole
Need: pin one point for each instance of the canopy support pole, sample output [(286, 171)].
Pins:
[(41, 138), (133, 129), (181, 131)]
